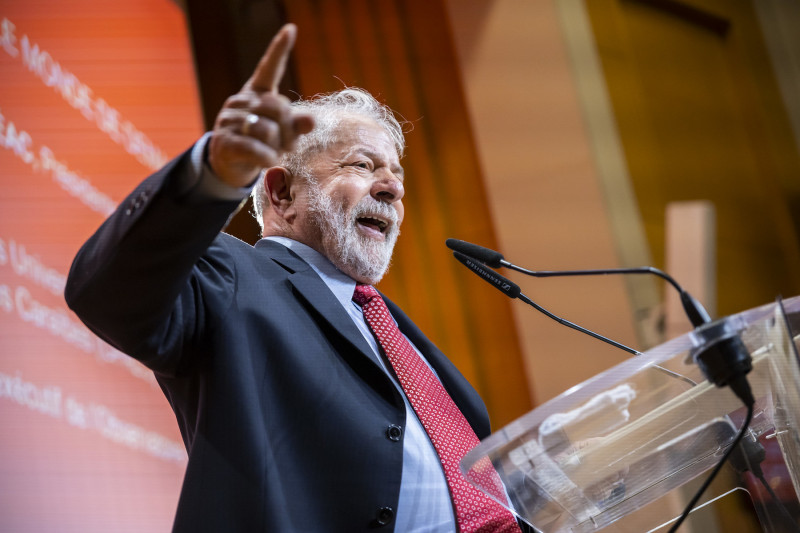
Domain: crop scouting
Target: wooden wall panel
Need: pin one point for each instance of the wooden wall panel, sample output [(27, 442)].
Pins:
[(701, 118), (543, 186)]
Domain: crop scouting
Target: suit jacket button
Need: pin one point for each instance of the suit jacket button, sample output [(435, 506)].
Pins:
[(394, 432), (384, 516)]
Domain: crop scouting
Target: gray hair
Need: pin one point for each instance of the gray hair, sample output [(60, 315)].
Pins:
[(328, 111)]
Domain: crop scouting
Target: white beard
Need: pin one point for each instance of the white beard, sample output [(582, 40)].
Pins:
[(364, 259)]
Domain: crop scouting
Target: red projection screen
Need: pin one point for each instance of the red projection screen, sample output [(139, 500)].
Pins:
[(94, 96)]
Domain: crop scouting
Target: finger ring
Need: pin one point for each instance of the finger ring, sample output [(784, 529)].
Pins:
[(249, 121)]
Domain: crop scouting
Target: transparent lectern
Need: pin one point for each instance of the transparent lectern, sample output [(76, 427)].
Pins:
[(612, 450)]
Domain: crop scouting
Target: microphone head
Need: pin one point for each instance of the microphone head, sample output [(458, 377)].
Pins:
[(504, 285), (484, 255)]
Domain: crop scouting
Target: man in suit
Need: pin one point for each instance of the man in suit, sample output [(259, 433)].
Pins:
[(290, 405)]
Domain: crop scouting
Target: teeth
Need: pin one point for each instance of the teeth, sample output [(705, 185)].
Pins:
[(380, 223)]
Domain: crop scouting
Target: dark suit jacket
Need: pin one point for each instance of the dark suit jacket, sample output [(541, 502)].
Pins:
[(282, 406)]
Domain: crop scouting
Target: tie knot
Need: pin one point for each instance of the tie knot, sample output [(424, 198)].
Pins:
[(364, 293)]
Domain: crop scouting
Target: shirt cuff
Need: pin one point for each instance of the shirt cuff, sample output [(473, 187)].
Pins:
[(202, 183)]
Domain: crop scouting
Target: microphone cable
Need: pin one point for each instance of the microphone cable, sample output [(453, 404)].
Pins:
[(690, 506)]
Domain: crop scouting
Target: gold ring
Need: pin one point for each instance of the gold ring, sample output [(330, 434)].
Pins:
[(249, 121)]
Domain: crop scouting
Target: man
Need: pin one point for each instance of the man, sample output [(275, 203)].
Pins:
[(293, 406)]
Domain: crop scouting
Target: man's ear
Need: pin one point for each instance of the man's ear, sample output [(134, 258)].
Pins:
[(277, 184)]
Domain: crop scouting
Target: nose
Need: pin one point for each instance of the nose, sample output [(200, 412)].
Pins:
[(388, 188)]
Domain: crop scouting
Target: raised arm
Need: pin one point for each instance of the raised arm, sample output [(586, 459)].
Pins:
[(130, 282)]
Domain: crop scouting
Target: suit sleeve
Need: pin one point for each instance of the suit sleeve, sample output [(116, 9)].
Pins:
[(142, 280)]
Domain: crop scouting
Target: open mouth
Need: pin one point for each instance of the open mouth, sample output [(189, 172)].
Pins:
[(373, 224)]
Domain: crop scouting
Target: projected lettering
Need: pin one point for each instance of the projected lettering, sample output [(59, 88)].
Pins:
[(20, 143), (94, 96), (55, 320), (81, 97), (47, 400)]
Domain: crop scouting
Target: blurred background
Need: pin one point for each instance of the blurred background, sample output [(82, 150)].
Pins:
[(567, 134)]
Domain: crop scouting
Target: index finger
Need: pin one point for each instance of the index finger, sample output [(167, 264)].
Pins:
[(270, 68)]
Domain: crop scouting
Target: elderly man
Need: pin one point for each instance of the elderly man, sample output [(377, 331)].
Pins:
[(302, 405)]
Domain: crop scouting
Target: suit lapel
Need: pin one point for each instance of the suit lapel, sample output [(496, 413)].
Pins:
[(316, 293), (310, 287)]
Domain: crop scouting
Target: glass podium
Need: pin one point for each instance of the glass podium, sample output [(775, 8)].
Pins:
[(609, 453)]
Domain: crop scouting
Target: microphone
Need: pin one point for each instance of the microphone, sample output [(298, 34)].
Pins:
[(694, 309), (486, 256), (512, 290), (503, 284), (724, 363)]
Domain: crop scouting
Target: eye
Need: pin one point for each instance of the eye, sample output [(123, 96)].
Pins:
[(362, 164)]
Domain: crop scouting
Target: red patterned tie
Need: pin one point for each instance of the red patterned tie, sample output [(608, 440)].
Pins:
[(451, 434)]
